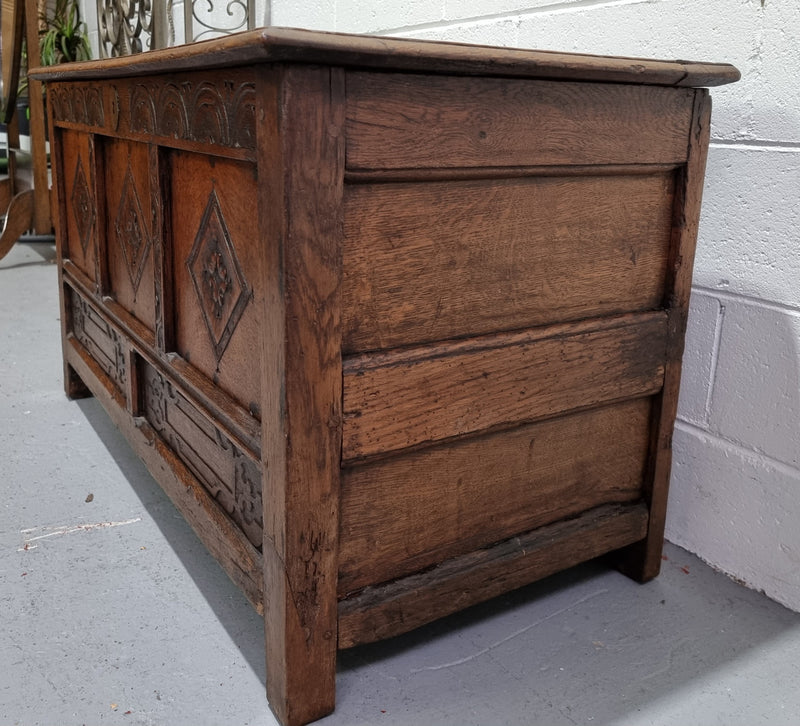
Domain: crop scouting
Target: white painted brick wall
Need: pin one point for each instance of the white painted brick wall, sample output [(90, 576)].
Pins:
[(706, 314), (756, 398), (750, 228), (739, 510), (736, 482)]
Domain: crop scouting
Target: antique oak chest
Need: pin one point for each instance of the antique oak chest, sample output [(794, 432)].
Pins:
[(397, 325)]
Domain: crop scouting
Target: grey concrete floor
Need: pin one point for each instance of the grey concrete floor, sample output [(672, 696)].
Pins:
[(112, 611)]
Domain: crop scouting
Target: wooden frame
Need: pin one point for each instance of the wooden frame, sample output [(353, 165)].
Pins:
[(25, 192), (397, 325)]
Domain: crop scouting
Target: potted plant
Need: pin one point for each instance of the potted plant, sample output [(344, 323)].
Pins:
[(63, 36)]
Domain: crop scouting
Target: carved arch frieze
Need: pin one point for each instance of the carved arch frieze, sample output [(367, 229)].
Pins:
[(218, 112), (206, 112)]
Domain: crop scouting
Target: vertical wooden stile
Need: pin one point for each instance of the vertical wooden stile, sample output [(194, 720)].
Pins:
[(102, 275), (301, 159), (162, 254), (642, 561), (42, 222), (74, 387)]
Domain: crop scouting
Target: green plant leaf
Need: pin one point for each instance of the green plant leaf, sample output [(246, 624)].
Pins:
[(64, 36)]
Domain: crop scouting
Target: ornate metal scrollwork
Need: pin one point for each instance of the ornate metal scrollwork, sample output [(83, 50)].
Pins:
[(131, 26), (210, 18)]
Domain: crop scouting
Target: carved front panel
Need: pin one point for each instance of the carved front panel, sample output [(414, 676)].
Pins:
[(101, 340), (80, 203), (130, 228), (215, 267), (222, 290), (229, 475)]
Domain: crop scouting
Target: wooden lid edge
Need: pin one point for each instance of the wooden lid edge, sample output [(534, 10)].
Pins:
[(402, 54)]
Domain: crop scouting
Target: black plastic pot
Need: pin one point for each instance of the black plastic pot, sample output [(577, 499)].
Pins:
[(24, 116)]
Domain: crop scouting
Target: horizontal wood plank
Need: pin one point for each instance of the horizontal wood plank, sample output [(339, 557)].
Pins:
[(406, 121), (402, 399), (425, 262), (406, 513), (474, 173), (400, 606)]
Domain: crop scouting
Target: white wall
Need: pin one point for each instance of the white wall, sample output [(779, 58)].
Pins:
[(735, 496)]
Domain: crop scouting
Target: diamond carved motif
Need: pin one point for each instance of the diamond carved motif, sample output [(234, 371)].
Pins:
[(82, 206), (131, 232), (217, 277)]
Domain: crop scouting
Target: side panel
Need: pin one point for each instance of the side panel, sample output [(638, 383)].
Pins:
[(515, 270), (409, 512), (427, 261), (424, 122), (399, 400)]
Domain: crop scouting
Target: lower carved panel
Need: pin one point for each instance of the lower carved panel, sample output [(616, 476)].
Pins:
[(101, 341), (229, 475)]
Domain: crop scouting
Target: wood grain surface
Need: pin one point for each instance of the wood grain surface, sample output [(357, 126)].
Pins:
[(406, 121), (277, 45), (431, 261), (643, 561), (300, 206), (216, 335), (81, 220), (127, 215), (409, 512), (397, 607), (397, 400)]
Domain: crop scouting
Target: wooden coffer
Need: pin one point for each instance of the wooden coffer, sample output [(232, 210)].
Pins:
[(397, 325)]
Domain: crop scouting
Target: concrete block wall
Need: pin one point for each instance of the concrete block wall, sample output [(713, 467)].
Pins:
[(735, 497)]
